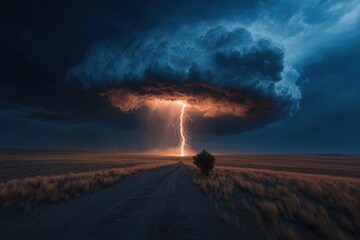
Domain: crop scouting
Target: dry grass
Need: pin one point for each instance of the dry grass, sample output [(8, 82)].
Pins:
[(326, 206), (336, 165), (44, 189), (26, 163), (269, 210)]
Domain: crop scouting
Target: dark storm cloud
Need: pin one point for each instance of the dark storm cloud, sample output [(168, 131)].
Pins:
[(40, 41), (329, 118), (228, 58), (232, 68)]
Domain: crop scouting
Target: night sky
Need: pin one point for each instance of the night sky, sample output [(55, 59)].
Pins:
[(283, 76)]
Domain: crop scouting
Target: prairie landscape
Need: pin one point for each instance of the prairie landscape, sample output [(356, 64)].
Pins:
[(285, 205), (105, 105), (106, 194), (22, 163)]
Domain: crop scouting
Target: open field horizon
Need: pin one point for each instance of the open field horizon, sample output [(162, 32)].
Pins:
[(180, 120), (22, 163), (242, 198)]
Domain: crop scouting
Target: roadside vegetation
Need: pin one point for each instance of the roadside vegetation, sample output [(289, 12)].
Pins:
[(204, 161), (285, 205), (36, 191), (27, 163)]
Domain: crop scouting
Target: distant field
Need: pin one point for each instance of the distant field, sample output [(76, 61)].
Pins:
[(21, 164), (335, 165), (285, 205), (43, 189), (277, 196), (28, 163)]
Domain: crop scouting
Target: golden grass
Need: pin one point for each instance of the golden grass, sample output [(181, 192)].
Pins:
[(43, 189), (336, 165), (269, 210), (325, 205), (18, 165)]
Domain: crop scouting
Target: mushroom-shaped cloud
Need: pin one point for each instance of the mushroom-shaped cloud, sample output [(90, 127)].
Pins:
[(226, 77)]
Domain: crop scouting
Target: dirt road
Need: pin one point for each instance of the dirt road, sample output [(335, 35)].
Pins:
[(160, 204)]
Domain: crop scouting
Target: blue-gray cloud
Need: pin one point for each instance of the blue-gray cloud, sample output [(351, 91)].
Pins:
[(307, 29), (229, 60), (40, 43)]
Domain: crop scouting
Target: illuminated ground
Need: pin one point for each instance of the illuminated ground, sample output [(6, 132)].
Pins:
[(166, 204), (16, 164), (161, 204)]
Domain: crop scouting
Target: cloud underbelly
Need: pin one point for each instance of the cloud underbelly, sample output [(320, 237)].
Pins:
[(223, 75)]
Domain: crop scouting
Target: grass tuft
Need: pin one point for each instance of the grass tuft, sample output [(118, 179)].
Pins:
[(46, 189), (327, 206)]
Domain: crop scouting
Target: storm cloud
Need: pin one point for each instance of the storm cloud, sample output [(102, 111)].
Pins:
[(238, 76), (66, 64)]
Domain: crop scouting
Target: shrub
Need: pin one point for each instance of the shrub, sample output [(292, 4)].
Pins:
[(204, 161)]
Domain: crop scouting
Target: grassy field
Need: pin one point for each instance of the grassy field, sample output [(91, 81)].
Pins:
[(35, 191), (287, 204), (17, 164), (286, 196), (32, 178), (335, 165)]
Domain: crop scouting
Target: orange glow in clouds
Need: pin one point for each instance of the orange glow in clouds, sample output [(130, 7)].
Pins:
[(207, 107), (180, 125), (173, 103)]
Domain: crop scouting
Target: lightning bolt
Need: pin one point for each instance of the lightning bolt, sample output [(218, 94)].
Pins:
[(181, 129)]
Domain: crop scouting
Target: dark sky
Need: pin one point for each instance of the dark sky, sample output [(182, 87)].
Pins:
[(52, 71)]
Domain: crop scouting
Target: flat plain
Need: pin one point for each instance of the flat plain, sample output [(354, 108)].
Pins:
[(97, 195), (17, 164)]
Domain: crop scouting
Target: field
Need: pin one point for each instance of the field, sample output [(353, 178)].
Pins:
[(285, 205), (288, 197), (16, 164), (335, 165), (160, 197)]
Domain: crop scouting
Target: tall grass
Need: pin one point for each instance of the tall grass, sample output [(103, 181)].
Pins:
[(326, 206), (44, 189)]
